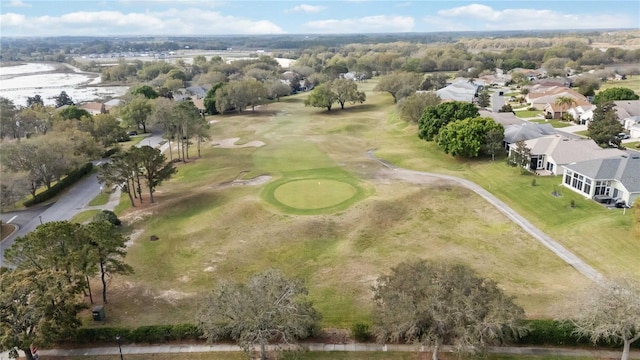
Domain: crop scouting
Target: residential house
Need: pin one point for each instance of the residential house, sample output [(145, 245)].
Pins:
[(630, 122), (506, 119), (94, 108), (498, 79), (531, 74), (197, 92), (461, 89), (543, 97), (526, 131), (582, 114), (627, 109), (634, 131), (605, 180), (549, 153), (199, 104), (112, 103)]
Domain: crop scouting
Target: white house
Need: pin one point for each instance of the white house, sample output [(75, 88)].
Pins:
[(605, 180), (550, 153), (582, 114)]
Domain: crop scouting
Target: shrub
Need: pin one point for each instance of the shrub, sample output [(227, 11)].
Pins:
[(533, 182), (107, 215), (109, 152), (361, 332), (67, 181), (572, 203)]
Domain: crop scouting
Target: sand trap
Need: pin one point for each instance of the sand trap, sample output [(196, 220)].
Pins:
[(231, 143), (258, 180)]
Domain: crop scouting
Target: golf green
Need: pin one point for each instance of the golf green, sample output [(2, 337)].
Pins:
[(314, 193)]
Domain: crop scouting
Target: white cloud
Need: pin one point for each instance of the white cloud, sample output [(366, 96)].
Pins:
[(527, 19), (368, 24), (17, 3), (189, 21), (306, 8)]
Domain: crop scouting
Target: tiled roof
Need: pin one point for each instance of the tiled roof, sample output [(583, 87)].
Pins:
[(565, 151)]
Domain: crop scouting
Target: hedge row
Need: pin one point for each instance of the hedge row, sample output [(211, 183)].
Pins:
[(560, 333), (67, 181), (541, 333), (143, 334)]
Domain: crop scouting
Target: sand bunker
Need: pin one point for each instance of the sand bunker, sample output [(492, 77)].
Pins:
[(231, 143)]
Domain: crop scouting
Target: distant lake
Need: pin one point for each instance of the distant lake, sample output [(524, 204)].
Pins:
[(47, 80)]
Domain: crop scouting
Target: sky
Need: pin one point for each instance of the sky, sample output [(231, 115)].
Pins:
[(233, 17)]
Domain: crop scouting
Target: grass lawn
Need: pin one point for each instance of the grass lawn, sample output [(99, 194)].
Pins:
[(209, 230), (101, 199), (634, 145), (528, 113), (84, 216), (554, 123), (584, 133), (632, 82)]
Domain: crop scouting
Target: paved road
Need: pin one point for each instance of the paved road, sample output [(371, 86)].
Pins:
[(69, 204), (546, 240), (351, 347)]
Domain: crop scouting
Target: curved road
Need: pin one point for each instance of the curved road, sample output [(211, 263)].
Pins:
[(69, 204), (546, 240)]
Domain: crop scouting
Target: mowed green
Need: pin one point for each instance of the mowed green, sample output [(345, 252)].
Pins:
[(210, 231), (313, 193)]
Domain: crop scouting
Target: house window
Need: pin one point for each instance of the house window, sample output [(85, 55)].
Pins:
[(577, 181), (587, 186), (603, 188), (567, 178), (550, 166)]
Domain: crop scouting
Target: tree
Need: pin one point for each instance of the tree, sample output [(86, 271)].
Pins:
[(412, 106), (277, 89), (154, 165), (9, 123), (398, 84), (564, 103), (505, 108), (615, 94), (604, 126), (520, 156), (106, 129), (612, 313), (322, 96), (136, 112), (438, 303), (163, 115), (493, 141), (347, 90), (210, 99), (63, 99), (108, 245), (587, 85), (484, 99), (146, 91), (435, 117), (36, 308), (73, 112), (269, 307), (240, 94), (119, 172), (35, 100), (467, 137), (434, 82)]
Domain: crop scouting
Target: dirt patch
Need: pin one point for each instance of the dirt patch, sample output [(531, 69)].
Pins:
[(231, 143), (258, 180)]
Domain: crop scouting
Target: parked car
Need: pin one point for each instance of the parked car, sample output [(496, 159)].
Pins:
[(623, 136), (133, 133)]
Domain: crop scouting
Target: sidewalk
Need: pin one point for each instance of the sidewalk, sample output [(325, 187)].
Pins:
[(317, 347)]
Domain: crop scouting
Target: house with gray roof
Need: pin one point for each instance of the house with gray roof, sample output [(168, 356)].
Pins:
[(549, 153), (461, 89), (526, 131), (605, 180)]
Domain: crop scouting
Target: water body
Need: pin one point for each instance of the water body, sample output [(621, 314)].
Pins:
[(47, 80)]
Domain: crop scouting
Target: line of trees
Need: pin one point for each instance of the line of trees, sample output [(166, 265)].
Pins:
[(337, 90), (134, 167)]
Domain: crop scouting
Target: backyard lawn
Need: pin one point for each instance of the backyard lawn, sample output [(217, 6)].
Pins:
[(211, 227)]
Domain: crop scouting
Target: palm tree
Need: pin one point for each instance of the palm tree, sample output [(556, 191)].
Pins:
[(564, 102)]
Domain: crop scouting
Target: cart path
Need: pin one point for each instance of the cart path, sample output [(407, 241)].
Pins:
[(133, 349), (418, 177)]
